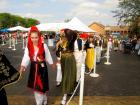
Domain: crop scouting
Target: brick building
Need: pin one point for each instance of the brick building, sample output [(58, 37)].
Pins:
[(107, 30)]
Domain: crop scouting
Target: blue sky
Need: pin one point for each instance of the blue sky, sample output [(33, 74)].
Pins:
[(49, 11)]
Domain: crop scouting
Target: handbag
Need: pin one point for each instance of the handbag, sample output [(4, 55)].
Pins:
[(8, 74)]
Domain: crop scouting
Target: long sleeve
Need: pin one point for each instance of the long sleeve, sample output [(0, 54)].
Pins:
[(26, 58), (83, 56), (48, 56)]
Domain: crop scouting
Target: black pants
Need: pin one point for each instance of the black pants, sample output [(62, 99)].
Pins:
[(3, 97)]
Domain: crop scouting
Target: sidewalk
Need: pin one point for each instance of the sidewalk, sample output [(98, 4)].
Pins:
[(88, 100)]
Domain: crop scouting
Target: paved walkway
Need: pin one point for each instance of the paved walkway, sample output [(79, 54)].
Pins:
[(88, 100), (118, 84)]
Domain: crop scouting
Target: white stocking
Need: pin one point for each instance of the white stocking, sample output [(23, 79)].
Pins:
[(38, 98), (63, 102)]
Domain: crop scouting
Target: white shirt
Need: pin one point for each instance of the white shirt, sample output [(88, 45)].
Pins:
[(26, 59), (76, 46)]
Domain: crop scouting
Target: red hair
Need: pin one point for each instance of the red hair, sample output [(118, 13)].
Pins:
[(40, 44)]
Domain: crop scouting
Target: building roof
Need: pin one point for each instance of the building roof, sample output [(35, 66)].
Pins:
[(99, 24), (119, 28)]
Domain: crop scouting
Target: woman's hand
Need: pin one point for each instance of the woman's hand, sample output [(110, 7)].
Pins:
[(53, 66), (22, 68), (57, 61)]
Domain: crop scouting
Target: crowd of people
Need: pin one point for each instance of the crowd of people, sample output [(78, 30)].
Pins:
[(72, 50)]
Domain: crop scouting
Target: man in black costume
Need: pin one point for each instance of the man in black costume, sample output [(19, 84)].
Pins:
[(8, 75), (3, 97)]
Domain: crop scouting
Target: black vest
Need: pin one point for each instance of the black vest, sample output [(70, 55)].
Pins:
[(79, 42)]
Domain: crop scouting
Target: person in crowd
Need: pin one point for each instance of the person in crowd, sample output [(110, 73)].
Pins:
[(98, 44), (110, 41), (8, 75), (68, 63), (3, 96), (90, 54), (137, 47), (78, 53), (38, 54), (134, 42), (104, 46), (116, 44), (58, 64)]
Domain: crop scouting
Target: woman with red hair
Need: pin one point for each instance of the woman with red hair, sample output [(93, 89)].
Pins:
[(37, 53)]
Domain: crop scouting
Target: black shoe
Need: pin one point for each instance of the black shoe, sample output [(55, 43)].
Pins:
[(58, 84), (69, 94), (88, 72)]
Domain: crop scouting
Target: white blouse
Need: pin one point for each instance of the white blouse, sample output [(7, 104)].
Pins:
[(76, 46), (26, 59)]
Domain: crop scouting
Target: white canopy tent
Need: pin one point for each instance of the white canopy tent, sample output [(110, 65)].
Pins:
[(76, 24), (42, 27), (52, 26), (18, 28)]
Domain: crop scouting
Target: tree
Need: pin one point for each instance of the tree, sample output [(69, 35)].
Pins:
[(7, 20), (128, 13), (4, 20), (30, 22)]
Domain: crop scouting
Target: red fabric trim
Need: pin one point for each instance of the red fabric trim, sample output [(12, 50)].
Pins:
[(39, 82), (35, 74), (37, 78)]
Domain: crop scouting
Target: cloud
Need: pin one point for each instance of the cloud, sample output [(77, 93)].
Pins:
[(94, 11), (71, 1), (34, 4), (3, 4), (40, 17), (109, 4), (89, 5), (86, 10)]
